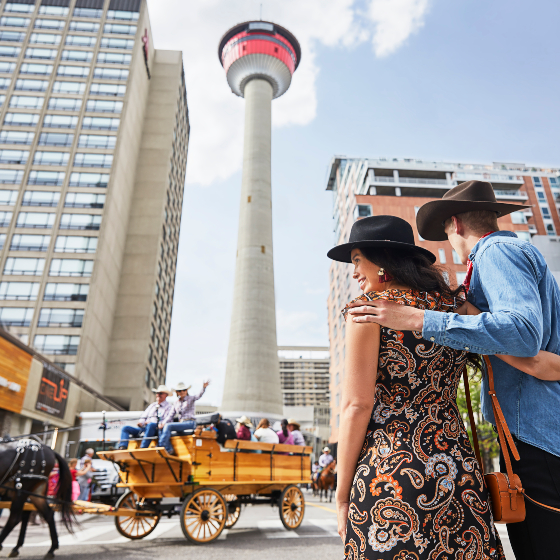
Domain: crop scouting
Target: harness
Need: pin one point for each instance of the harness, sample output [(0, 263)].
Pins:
[(26, 452)]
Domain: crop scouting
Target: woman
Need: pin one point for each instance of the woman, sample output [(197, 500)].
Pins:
[(409, 485), (284, 435), (83, 476), (243, 428), (264, 433)]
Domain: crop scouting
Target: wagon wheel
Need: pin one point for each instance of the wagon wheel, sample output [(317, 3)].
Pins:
[(203, 516), (292, 507), (233, 510), (134, 527)]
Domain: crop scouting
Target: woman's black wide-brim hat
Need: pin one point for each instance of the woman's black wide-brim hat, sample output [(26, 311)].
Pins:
[(379, 231)]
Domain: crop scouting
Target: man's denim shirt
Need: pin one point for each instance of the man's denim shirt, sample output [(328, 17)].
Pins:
[(520, 303)]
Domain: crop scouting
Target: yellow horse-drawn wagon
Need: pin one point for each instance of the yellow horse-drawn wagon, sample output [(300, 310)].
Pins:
[(209, 482)]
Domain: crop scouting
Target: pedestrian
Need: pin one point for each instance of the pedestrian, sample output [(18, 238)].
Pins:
[(72, 464), (404, 454), (88, 454), (294, 427), (284, 435), (509, 281), (84, 478), (183, 410), (243, 428), (264, 433)]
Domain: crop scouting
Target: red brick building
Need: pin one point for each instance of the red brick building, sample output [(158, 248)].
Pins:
[(366, 187)]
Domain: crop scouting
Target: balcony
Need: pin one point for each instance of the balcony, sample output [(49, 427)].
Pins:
[(510, 195), (411, 181)]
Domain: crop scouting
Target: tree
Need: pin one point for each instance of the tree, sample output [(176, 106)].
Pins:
[(489, 447)]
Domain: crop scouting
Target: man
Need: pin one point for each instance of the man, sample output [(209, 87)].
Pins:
[(150, 422), (508, 280), (183, 409), (224, 430), (294, 427), (324, 461), (88, 454)]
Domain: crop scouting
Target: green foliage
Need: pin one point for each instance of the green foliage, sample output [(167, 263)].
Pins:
[(489, 447)]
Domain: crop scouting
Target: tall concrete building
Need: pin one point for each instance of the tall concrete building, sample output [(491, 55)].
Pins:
[(93, 146), (366, 187), (259, 59)]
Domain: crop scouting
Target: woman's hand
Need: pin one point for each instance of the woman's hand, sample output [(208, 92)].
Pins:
[(342, 517)]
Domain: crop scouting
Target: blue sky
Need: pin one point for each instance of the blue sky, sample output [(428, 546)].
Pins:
[(459, 81)]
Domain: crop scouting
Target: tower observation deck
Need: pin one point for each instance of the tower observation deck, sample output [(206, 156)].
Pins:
[(259, 58)]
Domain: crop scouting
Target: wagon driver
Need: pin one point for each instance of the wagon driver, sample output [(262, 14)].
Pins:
[(324, 461)]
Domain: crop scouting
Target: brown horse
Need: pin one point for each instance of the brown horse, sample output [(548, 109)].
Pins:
[(326, 482)]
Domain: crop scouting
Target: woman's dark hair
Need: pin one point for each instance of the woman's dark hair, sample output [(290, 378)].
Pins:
[(284, 425), (411, 269)]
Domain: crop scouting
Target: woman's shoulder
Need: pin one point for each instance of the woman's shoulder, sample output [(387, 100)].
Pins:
[(433, 301)]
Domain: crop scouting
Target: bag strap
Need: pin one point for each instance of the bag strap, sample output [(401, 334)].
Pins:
[(471, 419)]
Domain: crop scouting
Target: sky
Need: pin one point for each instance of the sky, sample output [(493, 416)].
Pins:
[(461, 80)]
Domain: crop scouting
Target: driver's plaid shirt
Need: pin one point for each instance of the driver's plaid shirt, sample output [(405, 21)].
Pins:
[(184, 409)]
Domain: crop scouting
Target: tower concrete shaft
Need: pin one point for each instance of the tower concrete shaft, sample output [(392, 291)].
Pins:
[(252, 383)]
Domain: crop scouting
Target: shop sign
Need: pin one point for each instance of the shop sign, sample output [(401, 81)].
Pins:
[(15, 364), (53, 393)]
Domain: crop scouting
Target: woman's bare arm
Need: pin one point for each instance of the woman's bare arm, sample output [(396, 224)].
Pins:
[(358, 396), (545, 365)]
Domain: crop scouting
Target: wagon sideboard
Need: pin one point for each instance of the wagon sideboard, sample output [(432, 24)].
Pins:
[(239, 467)]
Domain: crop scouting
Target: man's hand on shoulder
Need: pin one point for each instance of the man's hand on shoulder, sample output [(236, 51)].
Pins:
[(387, 314)]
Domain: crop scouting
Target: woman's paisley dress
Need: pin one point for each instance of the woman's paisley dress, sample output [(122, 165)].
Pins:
[(418, 492)]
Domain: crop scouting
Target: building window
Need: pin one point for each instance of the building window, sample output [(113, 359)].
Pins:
[(84, 26), (15, 137), (97, 141), (7, 67), (57, 344), (518, 218), (80, 221), (19, 8), (441, 253), (22, 266), (60, 121), (117, 28), (42, 69), (84, 200), (110, 74), (102, 106), (53, 10), (30, 242), (445, 275), (72, 88), (32, 85), (71, 267), (88, 13), (41, 220), (12, 36), (75, 244), (112, 43), (99, 180), (10, 51), (537, 181), (113, 58), (14, 22), (57, 317), (16, 316), (45, 38), (26, 102), (5, 218), (123, 15), (550, 229), (73, 71), (523, 235), (8, 198), (52, 24), (51, 158), (49, 178), (76, 56), (100, 123), (338, 420), (19, 291), (114, 90), (65, 292), (545, 212), (80, 41), (456, 257), (461, 277), (14, 157), (43, 54), (64, 104), (93, 160), (21, 119), (56, 139), (540, 195)]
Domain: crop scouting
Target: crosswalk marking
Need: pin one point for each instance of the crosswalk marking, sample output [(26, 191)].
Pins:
[(330, 526), (274, 529)]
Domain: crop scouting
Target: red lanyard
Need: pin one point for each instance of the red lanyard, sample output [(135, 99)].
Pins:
[(467, 280)]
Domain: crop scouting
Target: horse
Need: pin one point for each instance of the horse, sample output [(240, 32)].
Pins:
[(325, 482), (25, 466)]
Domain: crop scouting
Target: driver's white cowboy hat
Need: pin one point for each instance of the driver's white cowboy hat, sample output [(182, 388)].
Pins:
[(162, 389), (245, 421), (182, 387), (326, 449)]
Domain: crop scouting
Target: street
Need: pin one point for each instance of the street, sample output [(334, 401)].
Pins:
[(258, 535)]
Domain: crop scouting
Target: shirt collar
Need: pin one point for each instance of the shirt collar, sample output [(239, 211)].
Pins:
[(482, 241)]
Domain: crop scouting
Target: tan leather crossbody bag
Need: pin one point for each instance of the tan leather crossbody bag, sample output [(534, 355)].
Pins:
[(505, 489)]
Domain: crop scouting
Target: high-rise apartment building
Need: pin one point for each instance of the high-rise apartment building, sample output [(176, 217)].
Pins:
[(366, 187), (93, 144), (304, 375)]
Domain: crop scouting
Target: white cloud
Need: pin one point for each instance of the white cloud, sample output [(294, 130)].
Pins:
[(395, 21), (195, 27)]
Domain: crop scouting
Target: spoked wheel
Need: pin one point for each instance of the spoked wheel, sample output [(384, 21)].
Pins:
[(292, 507), (233, 510), (134, 527), (203, 516)]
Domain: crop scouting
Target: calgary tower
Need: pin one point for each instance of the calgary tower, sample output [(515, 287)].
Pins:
[(259, 59)]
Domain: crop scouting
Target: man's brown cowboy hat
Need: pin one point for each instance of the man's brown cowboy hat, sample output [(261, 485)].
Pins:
[(466, 197)]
